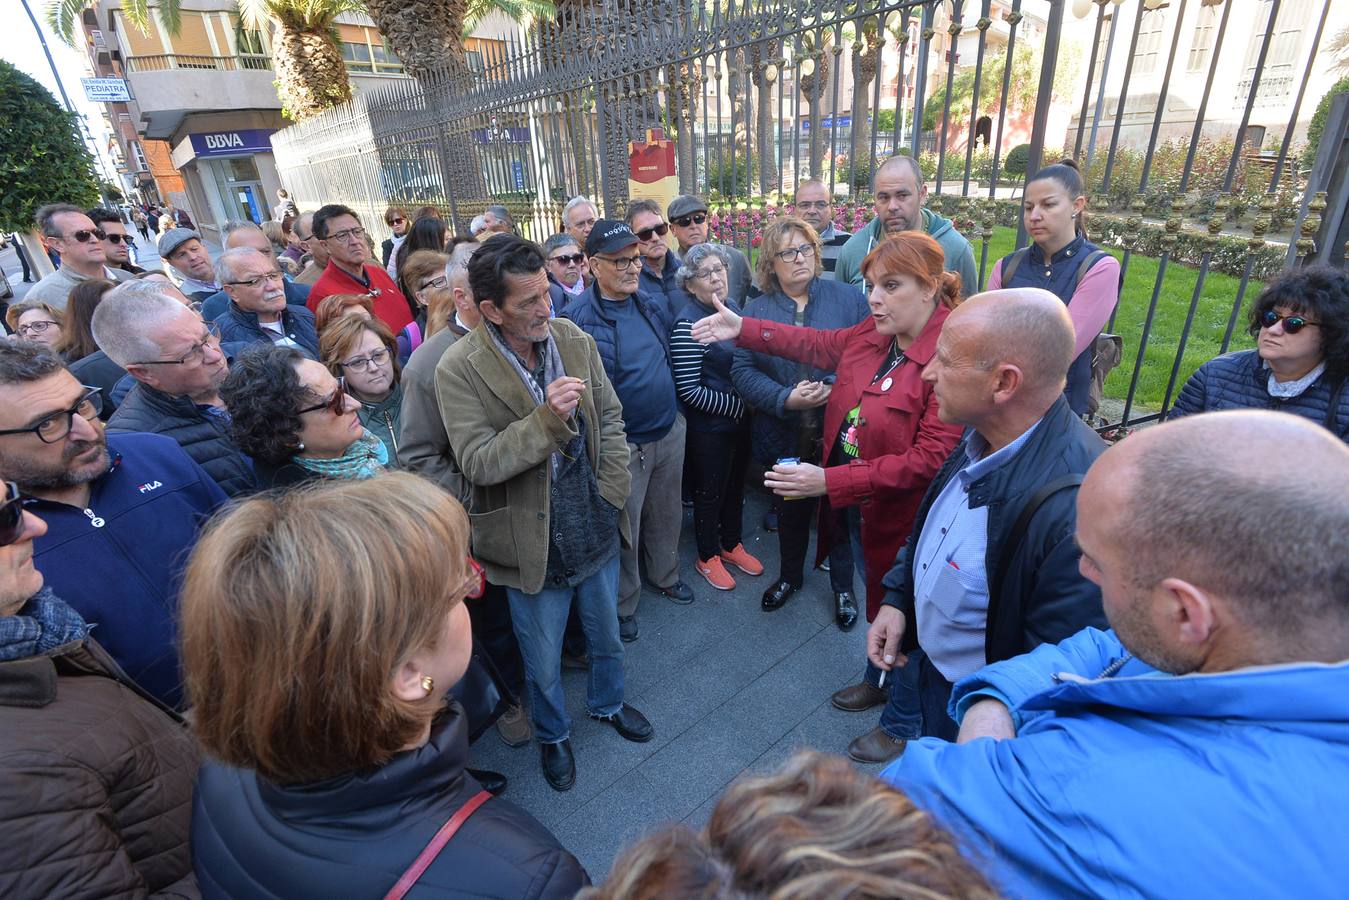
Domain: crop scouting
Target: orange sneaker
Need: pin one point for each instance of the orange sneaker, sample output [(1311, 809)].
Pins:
[(740, 558), (716, 574)]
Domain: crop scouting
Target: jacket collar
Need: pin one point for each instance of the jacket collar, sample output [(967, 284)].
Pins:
[(498, 374), (1003, 481), (168, 403), (251, 318)]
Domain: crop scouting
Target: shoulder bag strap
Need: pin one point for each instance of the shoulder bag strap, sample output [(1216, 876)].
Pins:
[(1017, 535), (1332, 420), (1012, 263), (1086, 266), (428, 856)]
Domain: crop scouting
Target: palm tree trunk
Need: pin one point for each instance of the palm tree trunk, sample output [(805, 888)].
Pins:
[(427, 35), (763, 55), (310, 73)]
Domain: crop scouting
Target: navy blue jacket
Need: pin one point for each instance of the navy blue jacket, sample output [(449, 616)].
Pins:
[(588, 313), (240, 326), (766, 381), (214, 306), (662, 288), (1241, 381), (119, 561), (354, 835), (1044, 598)]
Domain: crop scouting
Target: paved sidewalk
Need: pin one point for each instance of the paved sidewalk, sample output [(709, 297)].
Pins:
[(728, 688)]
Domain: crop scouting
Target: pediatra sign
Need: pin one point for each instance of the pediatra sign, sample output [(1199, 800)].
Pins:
[(106, 90)]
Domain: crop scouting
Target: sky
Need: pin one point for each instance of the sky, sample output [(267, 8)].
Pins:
[(19, 45)]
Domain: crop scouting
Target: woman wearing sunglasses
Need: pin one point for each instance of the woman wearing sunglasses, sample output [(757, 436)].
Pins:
[(296, 420), (323, 631), (33, 320), (91, 761), (362, 353), (1300, 323)]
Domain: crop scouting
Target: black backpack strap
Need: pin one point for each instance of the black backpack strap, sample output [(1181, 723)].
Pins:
[(1087, 263), (1017, 535), (1332, 419), (1011, 263)]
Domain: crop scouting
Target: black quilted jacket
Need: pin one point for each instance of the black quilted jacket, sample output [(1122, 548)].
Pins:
[(1239, 380)]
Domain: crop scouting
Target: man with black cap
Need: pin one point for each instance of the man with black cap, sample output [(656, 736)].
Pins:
[(632, 333), (688, 221), (182, 248)]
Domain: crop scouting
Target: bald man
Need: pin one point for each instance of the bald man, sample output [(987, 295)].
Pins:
[(990, 570), (1201, 747), (901, 196), (248, 235)]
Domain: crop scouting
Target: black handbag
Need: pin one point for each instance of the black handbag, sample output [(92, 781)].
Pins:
[(482, 693)]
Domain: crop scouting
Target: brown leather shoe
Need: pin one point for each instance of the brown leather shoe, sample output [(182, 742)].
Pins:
[(857, 697), (876, 747)]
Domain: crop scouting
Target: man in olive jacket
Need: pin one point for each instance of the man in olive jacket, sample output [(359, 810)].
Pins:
[(537, 431)]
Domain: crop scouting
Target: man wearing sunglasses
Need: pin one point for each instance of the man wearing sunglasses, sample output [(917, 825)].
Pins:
[(69, 231), (689, 222), (178, 364), (659, 263), (122, 512), (116, 239)]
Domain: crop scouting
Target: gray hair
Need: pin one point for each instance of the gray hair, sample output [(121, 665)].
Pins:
[(557, 242), (476, 227), (502, 213), (234, 225), (44, 219), (305, 222), (224, 266), (693, 260), (456, 269), (575, 202), (124, 318)]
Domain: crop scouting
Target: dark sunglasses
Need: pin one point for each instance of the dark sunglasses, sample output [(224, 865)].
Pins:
[(574, 259), (398, 221), (646, 233), (11, 515), (118, 238), (1291, 324), (83, 236), (335, 404), (686, 221)]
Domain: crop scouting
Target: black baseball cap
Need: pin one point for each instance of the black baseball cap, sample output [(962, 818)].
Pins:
[(609, 236)]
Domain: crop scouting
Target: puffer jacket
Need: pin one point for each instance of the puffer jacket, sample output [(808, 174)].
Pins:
[(1240, 381), (206, 439), (384, 421), (241, 326), (95, 782)]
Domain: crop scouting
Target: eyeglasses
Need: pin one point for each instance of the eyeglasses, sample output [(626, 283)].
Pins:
[(83, 236), (194, 354), (812, 204), (1291, 324), (366, 363), (336, 402), (477, 579), (710, 271), (574, 259), (686, 221), (393, 222), (437, 282), (792, 254), (646, 233), (11, 515), (623, 264), (356, 233), (38, 327), (57, 425), (117, 238), (259, 280)]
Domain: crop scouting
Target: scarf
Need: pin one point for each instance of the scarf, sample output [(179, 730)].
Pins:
[(1285, 390), (41, 625), (365, 458), (552, 370)]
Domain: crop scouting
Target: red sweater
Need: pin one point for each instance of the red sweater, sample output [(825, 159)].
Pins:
[(901, 441), (390, 305)]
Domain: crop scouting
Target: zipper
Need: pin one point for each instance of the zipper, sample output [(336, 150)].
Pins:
[(393, 437), (94, 519)]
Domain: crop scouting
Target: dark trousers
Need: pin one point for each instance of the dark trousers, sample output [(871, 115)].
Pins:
[(794, 518), (490, 616), (934, 692), (716, 464), (23, 259)]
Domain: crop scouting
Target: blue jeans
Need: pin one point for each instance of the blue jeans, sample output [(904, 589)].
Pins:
[(902, 717), (540, 620)]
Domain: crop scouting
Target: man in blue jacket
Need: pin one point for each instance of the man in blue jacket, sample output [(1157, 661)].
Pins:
[(258, 310), (247, 234), (1201, 747), (122, 513), (632, 335), (991, 569), (659, 262)]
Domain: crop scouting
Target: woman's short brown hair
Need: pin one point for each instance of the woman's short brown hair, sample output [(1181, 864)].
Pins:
[(817, 828), (420, 265), (775, 241), (919, 256), (335, 306), (394, 212), (297, 610), (18, 309), (340, 338)]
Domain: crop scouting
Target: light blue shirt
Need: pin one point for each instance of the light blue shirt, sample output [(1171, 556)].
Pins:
[(949, 577)]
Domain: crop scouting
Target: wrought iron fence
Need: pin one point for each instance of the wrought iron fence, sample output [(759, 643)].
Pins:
[(760, 94)]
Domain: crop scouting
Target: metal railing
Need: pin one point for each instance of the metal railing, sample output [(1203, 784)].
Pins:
[(169, 61), (759, 94)]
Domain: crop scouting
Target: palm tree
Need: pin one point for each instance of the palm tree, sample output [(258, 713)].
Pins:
[(61, 16), (867, 43), (762, 56), (428, 35), (815, 49), (311, 75)]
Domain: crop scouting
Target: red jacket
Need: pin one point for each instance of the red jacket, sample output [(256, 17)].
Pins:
[(390, 306), (901, 441)]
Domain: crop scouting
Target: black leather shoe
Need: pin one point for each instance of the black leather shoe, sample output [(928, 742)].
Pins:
[(559, 766), (492, 782), (845, 610), (774, 597), (630, 724)]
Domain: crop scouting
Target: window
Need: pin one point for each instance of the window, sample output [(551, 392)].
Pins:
[(1149, 42), (474, 60), (250, 43), (1276, 79), (386, 60), (357, 57), (1203, 38), (138, 155)]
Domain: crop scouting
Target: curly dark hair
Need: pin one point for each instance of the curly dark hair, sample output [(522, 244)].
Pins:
[(1321, 293), (264, 396)]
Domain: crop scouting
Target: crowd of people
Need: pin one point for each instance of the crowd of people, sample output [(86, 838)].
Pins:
[(286, 531)]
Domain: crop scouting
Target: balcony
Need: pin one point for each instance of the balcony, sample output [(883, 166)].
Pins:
[(169, 87)]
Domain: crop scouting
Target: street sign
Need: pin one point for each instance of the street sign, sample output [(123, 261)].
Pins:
[(106, 90)]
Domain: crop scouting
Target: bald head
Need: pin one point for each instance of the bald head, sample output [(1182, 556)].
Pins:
[(1025, 327), (248, 235), (897, 164)]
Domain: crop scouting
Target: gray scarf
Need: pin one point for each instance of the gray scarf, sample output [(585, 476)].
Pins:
[(552, 370)]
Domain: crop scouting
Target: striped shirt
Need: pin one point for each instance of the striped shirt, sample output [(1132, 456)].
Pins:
[(831, 244), (686, 358)]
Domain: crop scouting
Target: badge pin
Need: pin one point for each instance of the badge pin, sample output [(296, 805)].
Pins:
[(885, 385)]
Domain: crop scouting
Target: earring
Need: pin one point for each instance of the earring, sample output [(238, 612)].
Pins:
[(300, 446), (428, 683)]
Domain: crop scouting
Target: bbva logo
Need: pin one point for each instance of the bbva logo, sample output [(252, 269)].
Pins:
[(223, 141)]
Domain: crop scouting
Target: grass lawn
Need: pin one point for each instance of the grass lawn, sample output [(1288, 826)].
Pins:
[(1173, 303)]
